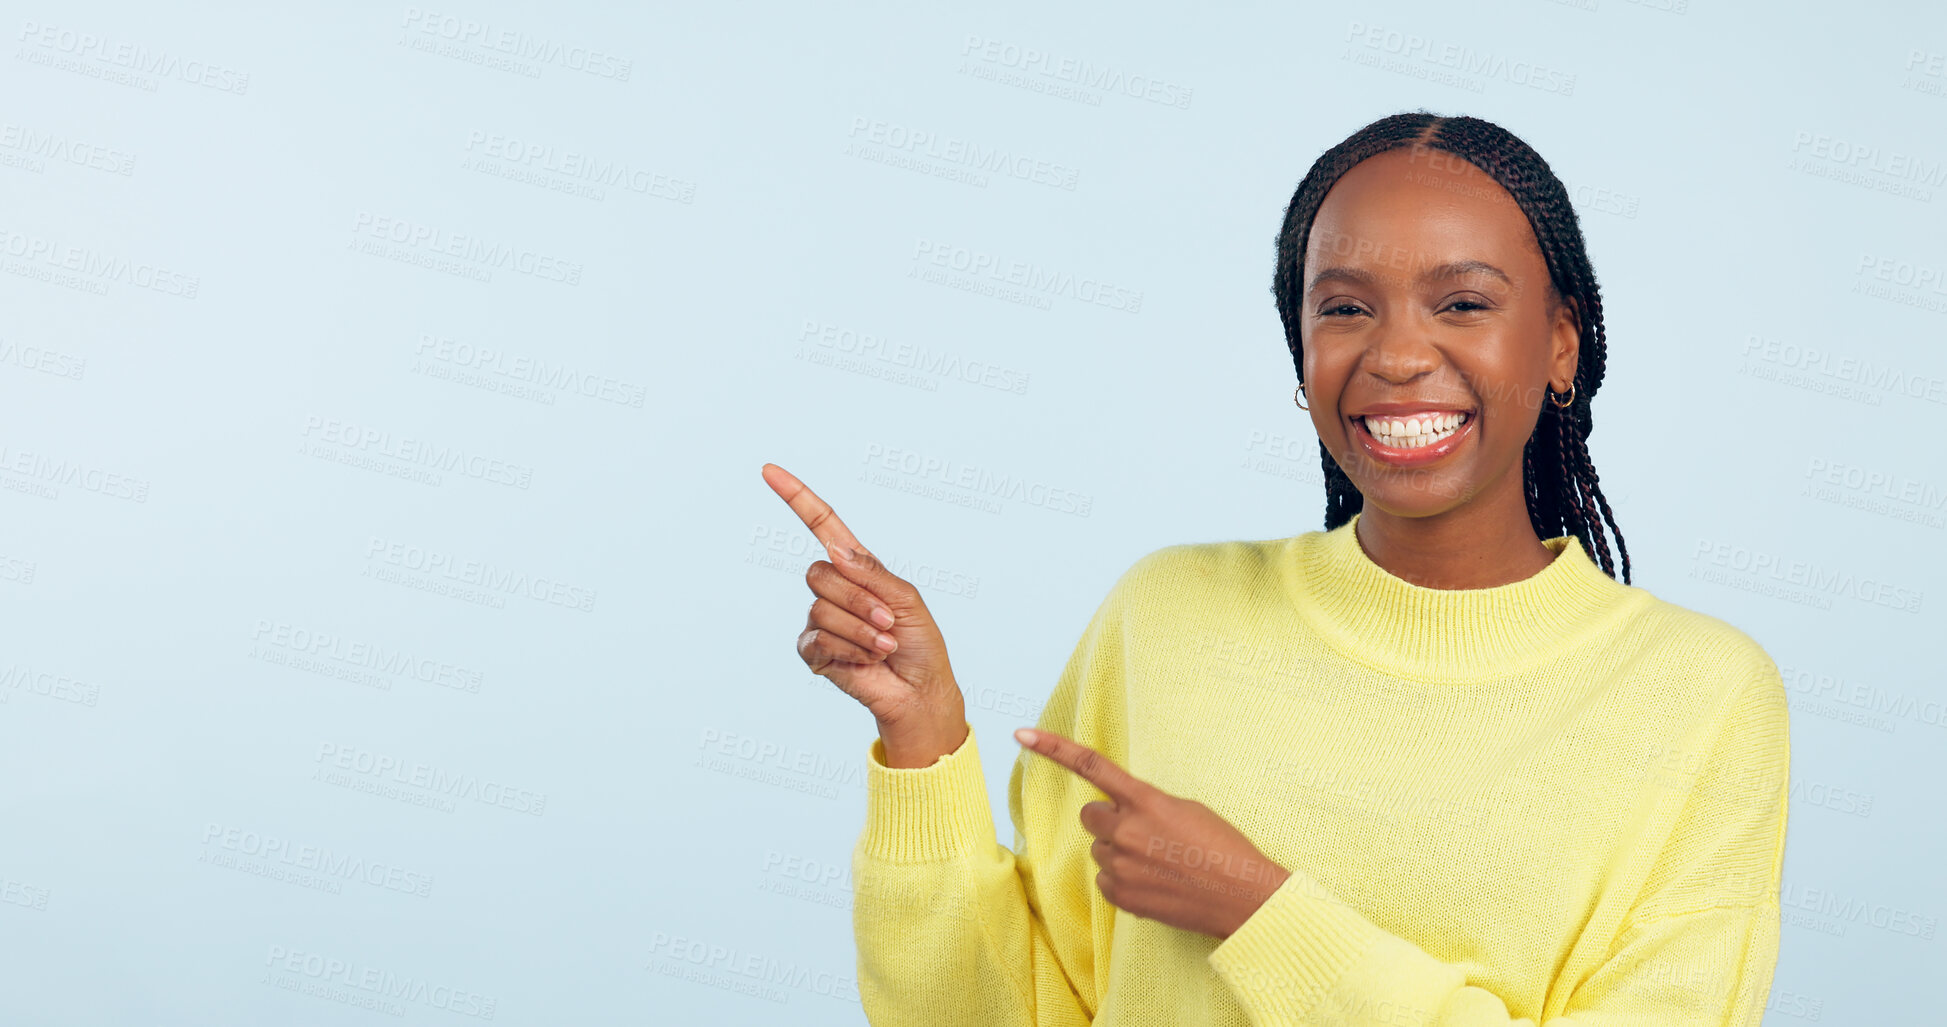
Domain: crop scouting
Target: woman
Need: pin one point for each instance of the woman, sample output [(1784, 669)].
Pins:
[(1430, 765)]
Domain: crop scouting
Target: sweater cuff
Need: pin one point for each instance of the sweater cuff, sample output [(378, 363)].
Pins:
[(926, 814), (1294, 949)]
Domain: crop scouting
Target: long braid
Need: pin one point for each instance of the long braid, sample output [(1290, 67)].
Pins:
[(1530, 488), (1596, 491), (1571, 510), (1563, 494)]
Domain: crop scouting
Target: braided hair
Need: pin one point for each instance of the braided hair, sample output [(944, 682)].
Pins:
[(1559, 480)]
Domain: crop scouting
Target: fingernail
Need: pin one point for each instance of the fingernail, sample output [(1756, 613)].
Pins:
[(886, 643), (1026, 736), (882, 616), (842, 553)]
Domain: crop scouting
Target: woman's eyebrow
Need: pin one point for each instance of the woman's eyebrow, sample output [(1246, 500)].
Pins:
[(1449, 269)]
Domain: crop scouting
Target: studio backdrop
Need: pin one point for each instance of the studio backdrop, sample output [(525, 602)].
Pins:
[(397, 627)]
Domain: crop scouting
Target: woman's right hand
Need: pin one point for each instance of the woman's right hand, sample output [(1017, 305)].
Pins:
[(910, 690)]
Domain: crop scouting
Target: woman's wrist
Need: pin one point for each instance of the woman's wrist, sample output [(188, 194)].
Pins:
[(921, 746), (1257, 890)]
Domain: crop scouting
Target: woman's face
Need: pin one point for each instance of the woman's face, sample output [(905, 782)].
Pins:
[(1426, 300)]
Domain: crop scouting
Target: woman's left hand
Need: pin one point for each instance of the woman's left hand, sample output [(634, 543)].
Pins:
[(1164, 858)]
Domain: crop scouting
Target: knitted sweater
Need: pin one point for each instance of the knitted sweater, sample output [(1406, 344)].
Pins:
[(1560, 800)]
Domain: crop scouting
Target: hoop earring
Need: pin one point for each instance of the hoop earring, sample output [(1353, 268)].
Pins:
[(1297, 392), (1571, 398)]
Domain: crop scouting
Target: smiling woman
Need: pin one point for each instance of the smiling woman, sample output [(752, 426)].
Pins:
[(1427, 287), (1430, 765)]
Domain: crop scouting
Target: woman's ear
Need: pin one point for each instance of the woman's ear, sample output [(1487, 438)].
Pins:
[(1565, 340)]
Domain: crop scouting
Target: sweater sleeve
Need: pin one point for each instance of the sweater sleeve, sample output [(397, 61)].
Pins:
[(1698, 948), (955, 929)]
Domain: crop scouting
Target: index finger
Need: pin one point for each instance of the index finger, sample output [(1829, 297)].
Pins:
[(1099, 770), (814, 512)]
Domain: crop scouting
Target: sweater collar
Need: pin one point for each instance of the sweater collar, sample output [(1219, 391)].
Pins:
[(1450, 635)]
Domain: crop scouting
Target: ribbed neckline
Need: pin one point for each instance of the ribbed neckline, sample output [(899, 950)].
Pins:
[(1449, 635)]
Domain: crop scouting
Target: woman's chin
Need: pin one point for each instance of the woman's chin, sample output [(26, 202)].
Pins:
[(1404, 494)]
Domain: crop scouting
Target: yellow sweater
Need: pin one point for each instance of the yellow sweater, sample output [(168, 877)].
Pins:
[(1555, 801)]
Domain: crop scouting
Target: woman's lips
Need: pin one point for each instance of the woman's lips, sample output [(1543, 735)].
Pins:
[(1397, 456)]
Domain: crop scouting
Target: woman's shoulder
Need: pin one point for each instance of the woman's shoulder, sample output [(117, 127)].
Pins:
[(1230, 567), (1703, 640)]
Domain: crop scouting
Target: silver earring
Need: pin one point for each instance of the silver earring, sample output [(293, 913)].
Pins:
[(1296, 393)]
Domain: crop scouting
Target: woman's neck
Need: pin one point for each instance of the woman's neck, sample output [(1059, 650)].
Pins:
[(1471, 546), (1454, 635)]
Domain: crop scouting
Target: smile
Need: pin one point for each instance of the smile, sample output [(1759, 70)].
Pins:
[(1414, 430), (1410, 440)]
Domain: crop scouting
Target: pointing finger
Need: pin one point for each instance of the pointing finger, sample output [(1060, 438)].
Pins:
[(816, 514), (1097, 769)]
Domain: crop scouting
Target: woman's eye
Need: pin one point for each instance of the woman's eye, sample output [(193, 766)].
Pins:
[(1467, 306), (1343, 308)]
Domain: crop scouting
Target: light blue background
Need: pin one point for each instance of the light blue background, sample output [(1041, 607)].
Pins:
[(152, 721)]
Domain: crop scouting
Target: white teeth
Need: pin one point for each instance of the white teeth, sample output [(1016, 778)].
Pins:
[(1413, 432)]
